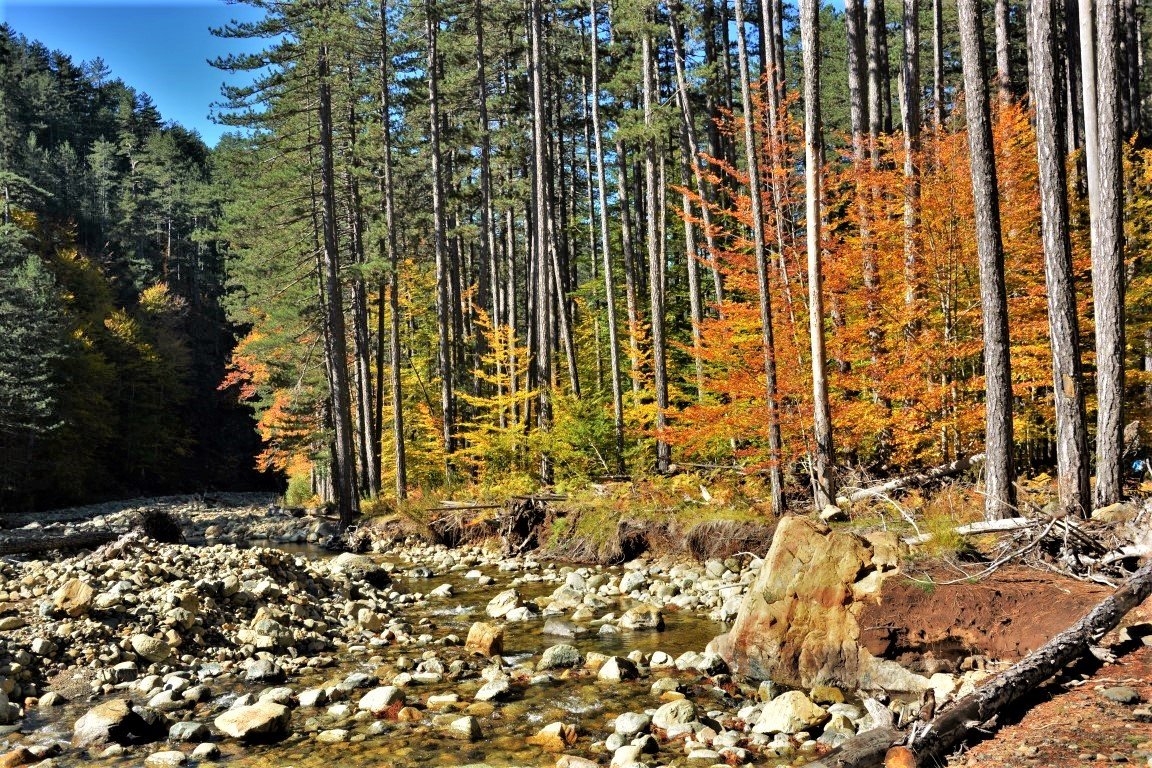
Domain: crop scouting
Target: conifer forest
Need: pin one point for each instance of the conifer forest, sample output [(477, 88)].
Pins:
[(525, 244)]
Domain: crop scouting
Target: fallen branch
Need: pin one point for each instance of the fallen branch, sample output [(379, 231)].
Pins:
[(52, 543), (917, 479), (995, 526), (954, 723)]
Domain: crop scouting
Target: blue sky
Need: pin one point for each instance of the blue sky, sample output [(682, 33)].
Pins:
[(160, 47)]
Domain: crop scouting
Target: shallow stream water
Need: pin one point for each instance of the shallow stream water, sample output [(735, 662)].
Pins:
[(575, 697)]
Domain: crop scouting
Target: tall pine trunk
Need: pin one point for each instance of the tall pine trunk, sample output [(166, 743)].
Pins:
[(1072, 457), (391, 254), (344, 452), (1108, 256), (823, 471), (910, 116), (541, 245), (654, 213), (999, 481), (1003, 52), (775, 444), (605, 248), (444, 300)]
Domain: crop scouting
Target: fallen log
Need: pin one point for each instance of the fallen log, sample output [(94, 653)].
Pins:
[(914, 480), (949, 728), (37, 545)]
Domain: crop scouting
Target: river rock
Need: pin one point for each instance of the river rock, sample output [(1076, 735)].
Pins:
[(313, 697), (558, 657), (74, 598), (265, 671), (554, 737), (465, 728), (642, 616), (263, 721), (626, 756), (632, 723), (562, 628), (150, 648), (485, 639), (504, 603), (494, 689), (116, 721), (379, 700), (166, 759), (674, 713), (575, 761), (618, 668), (206, 751), (188, 731), (17, 757), (789, 713), (798, 622), (633, 580), (360, 567)]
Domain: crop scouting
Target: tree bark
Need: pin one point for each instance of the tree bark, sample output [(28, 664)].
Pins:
[(1003, 52), (344, 454), (488, 274), (999, 485), (938, 64), (824, 480), (1132, 61), (632, 301), (652, 228), (703, 190), (1072, 457), (541, 236), (1107, 249), (875, 50), (368, 447), (605, 248), (910, 116), (775, 443), (391, 254), (443, 300)]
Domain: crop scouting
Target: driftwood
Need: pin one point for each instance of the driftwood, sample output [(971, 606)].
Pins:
[(929, 744), (53, 543), (914, 480)]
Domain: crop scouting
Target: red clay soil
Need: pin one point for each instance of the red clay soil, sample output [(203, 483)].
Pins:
[(1069, 722), (1005, 616)]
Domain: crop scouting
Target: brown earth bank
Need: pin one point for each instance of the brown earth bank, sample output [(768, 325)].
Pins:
[(1094, 714), (1004, 616)]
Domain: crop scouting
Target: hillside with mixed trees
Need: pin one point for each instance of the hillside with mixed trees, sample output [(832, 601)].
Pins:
[(515, 243), (113, 338)]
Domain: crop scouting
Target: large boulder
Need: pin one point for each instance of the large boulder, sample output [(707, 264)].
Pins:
[(117, 721), (798, 624)]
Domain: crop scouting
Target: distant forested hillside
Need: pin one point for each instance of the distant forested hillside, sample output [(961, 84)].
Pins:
[(112, 340)]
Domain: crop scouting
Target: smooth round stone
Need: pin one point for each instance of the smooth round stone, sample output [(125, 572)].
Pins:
[(632, 723)]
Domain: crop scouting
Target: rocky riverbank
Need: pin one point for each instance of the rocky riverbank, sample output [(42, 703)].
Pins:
[(166, 654), (174, 652)]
